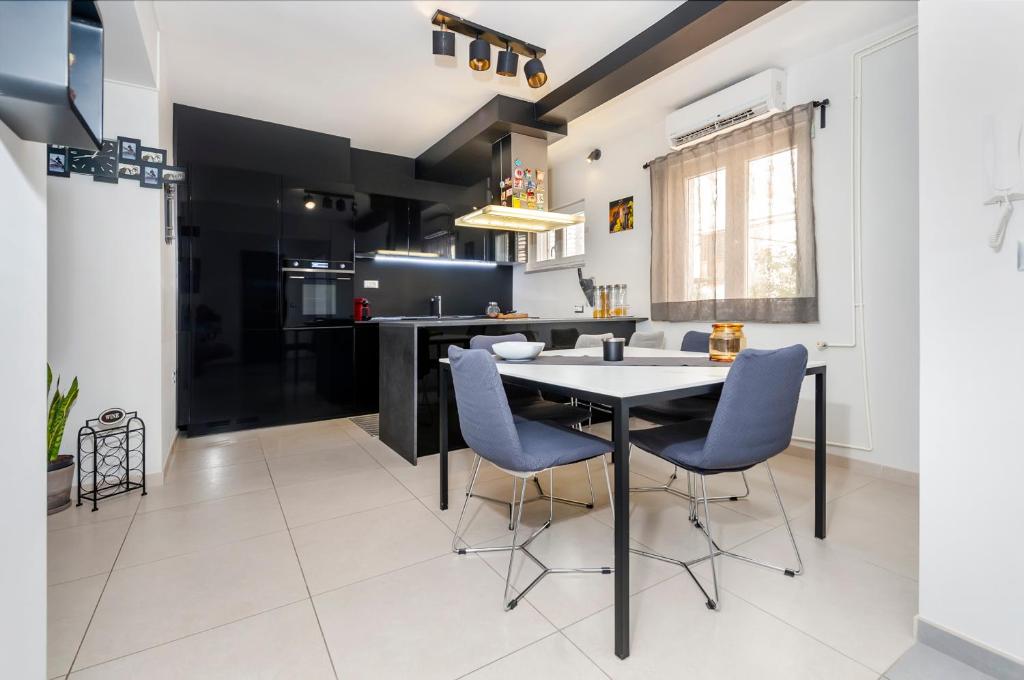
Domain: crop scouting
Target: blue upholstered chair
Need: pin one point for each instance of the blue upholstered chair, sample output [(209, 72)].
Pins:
[(680, 410), (522, 448), (695, 341), (531, 405), (753, 423)]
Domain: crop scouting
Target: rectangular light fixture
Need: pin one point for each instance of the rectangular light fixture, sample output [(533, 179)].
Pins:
[(525, 220), (440, 261), (405, 253)]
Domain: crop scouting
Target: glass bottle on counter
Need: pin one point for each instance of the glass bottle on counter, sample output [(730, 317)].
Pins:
[(613, 302), (623, 308), (601, 308)]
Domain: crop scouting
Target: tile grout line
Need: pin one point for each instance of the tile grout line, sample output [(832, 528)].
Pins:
[(103, 590), (302, 572), (191, 635)]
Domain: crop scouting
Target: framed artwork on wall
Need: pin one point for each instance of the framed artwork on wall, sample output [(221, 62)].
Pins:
[(620, 215), (172, 174), (128, 150), (58, 162), (148, 154), (129, 171), (150, 176)]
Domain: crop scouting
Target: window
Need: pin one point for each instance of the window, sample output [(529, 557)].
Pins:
[(559, 248), (733, 227)]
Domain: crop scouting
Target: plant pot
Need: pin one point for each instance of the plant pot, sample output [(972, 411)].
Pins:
[(58, 484)]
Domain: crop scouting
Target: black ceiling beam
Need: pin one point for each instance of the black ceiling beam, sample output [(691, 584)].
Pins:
[(463, 156), (682, 32), (497, 38)]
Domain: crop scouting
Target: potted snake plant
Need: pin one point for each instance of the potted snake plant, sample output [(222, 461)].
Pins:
[(60, 468)]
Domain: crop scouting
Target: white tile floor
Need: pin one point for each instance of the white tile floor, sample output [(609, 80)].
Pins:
[(314, 551)]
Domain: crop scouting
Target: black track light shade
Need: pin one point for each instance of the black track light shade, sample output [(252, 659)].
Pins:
[(479, 55), (308, 201), (444, 43), (536, 76), (594, 155), (508, 63), (340, 205), (326, 203)]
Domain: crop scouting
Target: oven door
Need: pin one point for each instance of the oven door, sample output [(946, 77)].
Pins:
[(316, 299)]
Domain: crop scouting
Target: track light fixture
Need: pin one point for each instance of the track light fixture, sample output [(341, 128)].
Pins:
[(594, 155), (340, 205), (308, 201), (444, 42), (479, 55), (326, 203), (480, 48), (536, 76), (508, 63)]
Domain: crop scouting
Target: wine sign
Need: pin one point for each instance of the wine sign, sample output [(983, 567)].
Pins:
[(111, 417)]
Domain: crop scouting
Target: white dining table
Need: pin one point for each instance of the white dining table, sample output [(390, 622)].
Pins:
[(620, 388)]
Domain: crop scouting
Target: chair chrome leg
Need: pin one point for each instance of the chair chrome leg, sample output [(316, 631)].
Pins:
[(714, 550), (568, 501), (524, 548), (712, 604), (689, 493), (469, 493), (510, 604)]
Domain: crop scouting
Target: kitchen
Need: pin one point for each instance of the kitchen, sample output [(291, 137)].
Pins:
[(298, 263)]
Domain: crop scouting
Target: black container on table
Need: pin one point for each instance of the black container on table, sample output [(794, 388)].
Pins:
[(613, 349)]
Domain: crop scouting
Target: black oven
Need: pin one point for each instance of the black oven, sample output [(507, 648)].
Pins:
[(317, 293)]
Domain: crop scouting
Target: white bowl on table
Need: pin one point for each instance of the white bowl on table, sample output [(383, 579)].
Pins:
[(518, 351)]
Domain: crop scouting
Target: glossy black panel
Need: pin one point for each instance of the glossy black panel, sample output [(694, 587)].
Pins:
[(367, 368), (320, 233), (318, 378), (405, 288), (212, 138)]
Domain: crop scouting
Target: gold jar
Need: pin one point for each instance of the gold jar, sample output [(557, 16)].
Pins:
[(727, 340)]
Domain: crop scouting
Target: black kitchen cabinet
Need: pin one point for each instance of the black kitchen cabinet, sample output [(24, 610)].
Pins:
[(324, 232), (230, 300), (367, 368), (318, 373)]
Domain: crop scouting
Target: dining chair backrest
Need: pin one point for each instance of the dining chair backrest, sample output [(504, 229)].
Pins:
[(591, 340), (757, 409), (488, 342), (652, 340), (695, 341), (484, 413)]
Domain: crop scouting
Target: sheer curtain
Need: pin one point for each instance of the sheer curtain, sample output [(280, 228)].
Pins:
[(732, 226)]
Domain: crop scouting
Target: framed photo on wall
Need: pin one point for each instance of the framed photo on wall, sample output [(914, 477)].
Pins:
[(128, 150), (58, 161), (148, 154), (150, 176), (620, 215), (129, 171), (172, 174)]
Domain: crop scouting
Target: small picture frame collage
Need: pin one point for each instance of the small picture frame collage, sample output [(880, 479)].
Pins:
[(124, 158)]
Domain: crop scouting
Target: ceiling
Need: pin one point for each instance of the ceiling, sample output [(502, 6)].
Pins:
[(364, 70)]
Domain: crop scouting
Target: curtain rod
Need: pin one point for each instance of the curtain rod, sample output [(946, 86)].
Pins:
[(817, 103)]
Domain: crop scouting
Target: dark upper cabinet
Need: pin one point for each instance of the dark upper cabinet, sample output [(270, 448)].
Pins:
[(233, 227), (323, 232)]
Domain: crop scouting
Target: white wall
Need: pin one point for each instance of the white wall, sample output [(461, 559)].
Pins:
[(106, 287), (630, 131), (972, 322), (23, 399)]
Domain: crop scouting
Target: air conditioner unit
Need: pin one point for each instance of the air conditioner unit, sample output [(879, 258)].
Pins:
[(751, 99)]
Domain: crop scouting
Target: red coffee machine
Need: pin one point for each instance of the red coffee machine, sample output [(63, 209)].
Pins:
[(361, 309)]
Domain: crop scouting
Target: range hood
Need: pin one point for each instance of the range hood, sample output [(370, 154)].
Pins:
[(518, 189), (51, 72)]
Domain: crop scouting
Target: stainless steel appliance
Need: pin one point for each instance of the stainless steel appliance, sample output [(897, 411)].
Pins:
[(317, 293)]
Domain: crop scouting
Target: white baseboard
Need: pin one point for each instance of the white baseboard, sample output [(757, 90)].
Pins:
[(966, 650)]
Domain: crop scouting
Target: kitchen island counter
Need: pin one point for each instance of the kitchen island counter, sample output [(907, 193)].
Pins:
[(411, 348)]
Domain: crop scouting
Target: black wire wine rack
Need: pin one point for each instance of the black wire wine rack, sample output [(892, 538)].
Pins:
[(111, 459)]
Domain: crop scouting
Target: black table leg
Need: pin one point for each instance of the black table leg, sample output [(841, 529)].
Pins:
[(819, 454), (620, 437), (442, 447)]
